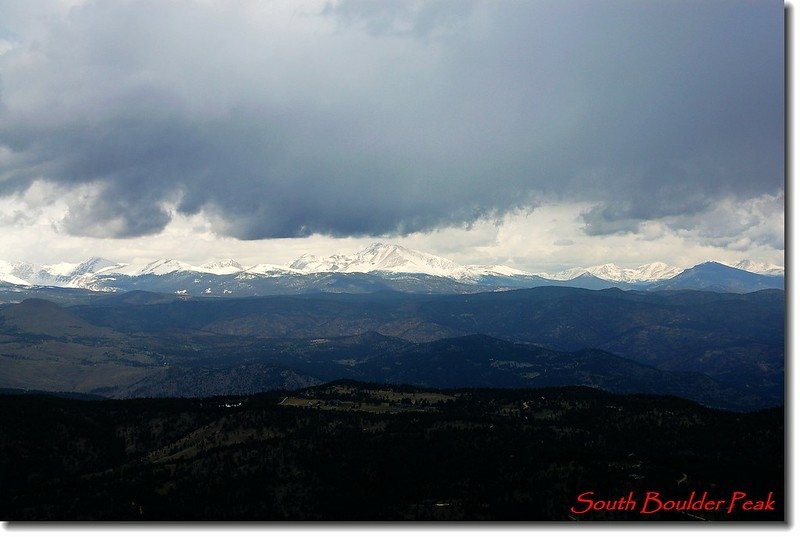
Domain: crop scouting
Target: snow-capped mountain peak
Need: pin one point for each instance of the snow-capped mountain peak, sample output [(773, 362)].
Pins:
[(7, 275), (395, 258), (222, 267), (270, 269), (656, 271), (60, 269), (309, 263), (381, 257), (92, 265), (26, 271), (54, 274), (155, 268), (759, 267), (609, 271), (165, 266), (495, 270)]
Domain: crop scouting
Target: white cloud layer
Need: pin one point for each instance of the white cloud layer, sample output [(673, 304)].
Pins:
[(547, 239)]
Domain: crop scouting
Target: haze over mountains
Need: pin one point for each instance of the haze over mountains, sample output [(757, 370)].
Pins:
[(377, 267)]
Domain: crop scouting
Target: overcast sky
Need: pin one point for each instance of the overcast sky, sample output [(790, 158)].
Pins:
[(540, 134)]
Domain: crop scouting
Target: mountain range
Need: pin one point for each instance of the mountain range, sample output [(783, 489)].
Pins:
[(377, 267), (720, 349)]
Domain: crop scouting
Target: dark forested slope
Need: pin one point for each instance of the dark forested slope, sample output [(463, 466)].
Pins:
[(349, 451)]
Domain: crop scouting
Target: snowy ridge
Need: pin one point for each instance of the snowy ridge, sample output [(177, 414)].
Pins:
[(33, 274), (650, 272), (392, 258), (162, 267), (495, 270), (157, 268), (758, 267), (58, 274), (222, 267), (98, 274), (7, 276), (268, 269), (60, 269), (379, 257)]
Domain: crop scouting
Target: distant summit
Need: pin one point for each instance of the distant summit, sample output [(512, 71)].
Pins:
[(713, 276), (393, 258), (92, 265), (223, 266), (759, 267), (610, 272), (380, 257)]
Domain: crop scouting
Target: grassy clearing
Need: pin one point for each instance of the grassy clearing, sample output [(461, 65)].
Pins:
[(375, 401)]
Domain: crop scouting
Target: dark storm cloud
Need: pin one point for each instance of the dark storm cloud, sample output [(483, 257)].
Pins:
[(667, 192), (381, 117)]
